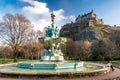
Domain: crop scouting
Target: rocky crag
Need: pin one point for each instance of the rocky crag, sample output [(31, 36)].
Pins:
[(87, 27)]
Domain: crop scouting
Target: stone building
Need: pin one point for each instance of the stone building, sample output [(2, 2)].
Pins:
[(89, 19)]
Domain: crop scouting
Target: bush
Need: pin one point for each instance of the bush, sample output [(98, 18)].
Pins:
[(116, 55), (8, 60)]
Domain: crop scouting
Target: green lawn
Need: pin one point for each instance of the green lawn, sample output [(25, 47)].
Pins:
[(118, 78), (8, 60), (116, 64)]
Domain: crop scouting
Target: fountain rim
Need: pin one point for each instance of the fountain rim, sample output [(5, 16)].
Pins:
[(104, 69)]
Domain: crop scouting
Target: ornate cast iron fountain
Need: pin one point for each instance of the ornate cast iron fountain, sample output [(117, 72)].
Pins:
[(52, 41)]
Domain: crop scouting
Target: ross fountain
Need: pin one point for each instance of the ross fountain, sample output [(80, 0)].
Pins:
[(52, 41), (51, 59)]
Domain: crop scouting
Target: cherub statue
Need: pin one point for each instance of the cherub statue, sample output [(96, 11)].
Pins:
[(56, 32)]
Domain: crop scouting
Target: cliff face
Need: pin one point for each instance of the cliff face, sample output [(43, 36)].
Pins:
[(89, 33), (87, 27)]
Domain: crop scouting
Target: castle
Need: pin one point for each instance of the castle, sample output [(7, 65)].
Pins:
[(89, 19)]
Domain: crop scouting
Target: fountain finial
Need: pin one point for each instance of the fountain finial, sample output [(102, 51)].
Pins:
[(52, 18)]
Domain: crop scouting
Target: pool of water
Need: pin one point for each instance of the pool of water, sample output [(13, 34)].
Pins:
[(14, 69)]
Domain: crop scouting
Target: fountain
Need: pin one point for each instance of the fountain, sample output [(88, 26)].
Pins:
[(52, 59), (52, 41), (52, 56)]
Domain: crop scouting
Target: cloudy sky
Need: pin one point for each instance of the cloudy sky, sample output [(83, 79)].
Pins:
[(38, 11)]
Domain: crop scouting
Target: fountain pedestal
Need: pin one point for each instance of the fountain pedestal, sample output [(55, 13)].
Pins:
[(52, 58), (53, 51)]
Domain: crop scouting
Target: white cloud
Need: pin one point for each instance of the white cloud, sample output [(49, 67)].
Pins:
[(1, 15), (40, 24), (72, 18), (36, 8), (39, 15)]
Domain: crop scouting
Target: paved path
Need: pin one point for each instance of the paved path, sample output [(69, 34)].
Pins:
[(115, 73)]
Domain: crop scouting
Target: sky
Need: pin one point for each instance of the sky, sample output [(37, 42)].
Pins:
[(38, 11)]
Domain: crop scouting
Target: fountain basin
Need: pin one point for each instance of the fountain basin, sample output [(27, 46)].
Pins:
[(50, 65)]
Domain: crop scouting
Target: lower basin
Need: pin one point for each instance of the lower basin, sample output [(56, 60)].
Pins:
[(86, 67)]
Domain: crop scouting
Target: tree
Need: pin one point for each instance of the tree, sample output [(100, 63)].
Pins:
[(102, 49), (83, 49), (115, 38), (15, 30), (5, 52), (68, 48), (34, 47)]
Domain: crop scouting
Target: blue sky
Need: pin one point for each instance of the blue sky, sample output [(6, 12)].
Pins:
[(38, 11)]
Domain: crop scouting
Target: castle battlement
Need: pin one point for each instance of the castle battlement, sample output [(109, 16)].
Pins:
[(89, 19)]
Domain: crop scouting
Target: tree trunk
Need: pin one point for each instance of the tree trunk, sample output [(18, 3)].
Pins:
[(32, 56), (15, 56), (103, 58), (38, 57)]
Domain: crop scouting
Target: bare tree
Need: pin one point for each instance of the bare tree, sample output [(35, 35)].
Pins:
[(14, 30), (69, 48), (115, 38), (83, 49), (34, 47), (102, 49), (5, 51)]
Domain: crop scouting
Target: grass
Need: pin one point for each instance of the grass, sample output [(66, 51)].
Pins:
[(8, 60), (118, 78), (116, 64)]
